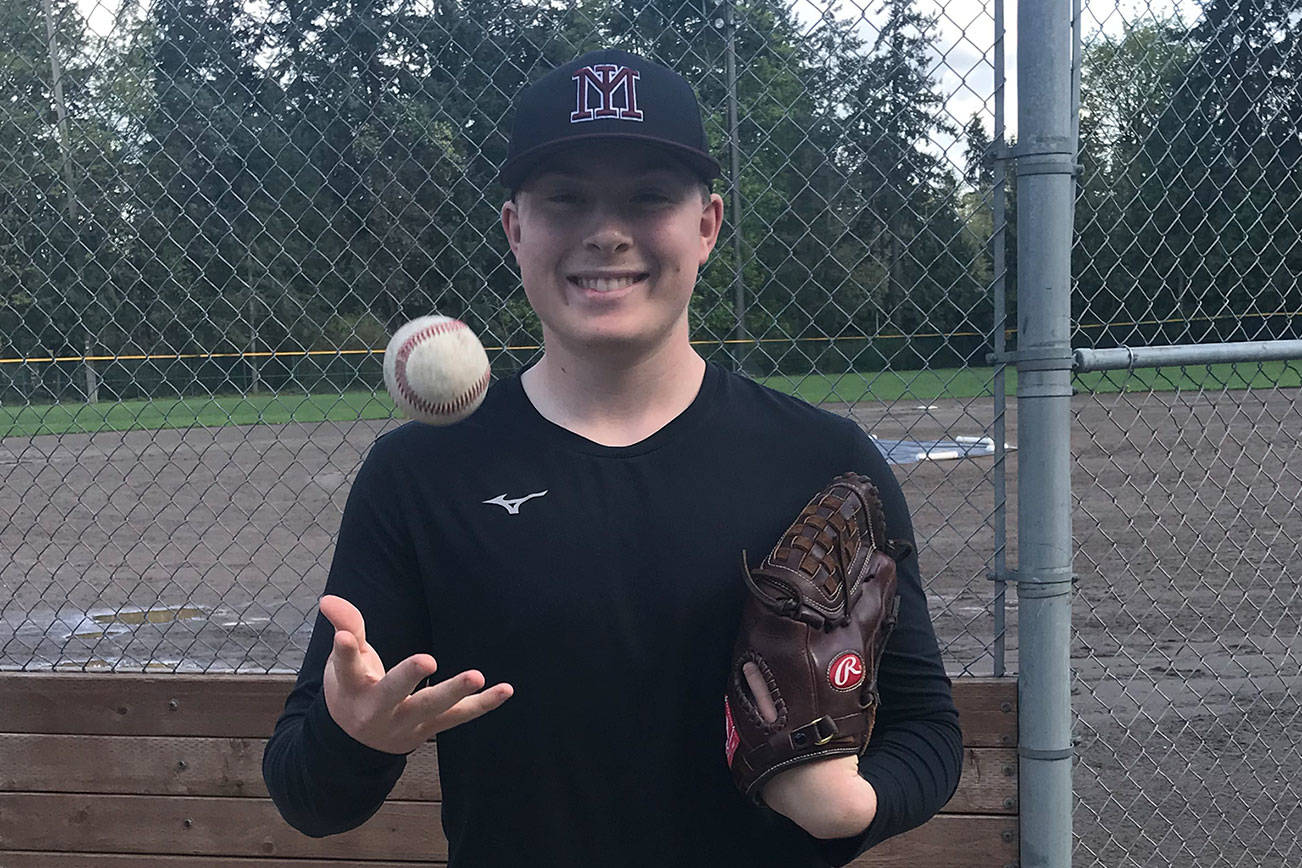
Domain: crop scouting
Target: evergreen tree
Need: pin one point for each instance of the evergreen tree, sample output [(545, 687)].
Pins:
[(1136, 209), (201, 186), (1246, 76), (59, 210), (904, 196)]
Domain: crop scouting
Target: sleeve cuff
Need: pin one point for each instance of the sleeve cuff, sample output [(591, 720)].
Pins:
[(329, 739)]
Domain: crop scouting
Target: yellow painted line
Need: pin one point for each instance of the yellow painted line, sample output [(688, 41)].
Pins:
[(284, 354)]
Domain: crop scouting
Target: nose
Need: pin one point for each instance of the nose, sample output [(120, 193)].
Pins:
[(607, 233)]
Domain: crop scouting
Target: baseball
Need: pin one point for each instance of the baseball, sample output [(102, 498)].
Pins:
[(436, 370)]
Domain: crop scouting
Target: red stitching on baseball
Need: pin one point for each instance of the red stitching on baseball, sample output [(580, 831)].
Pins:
[(418, 402)]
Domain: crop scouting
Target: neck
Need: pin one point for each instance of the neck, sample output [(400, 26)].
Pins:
[(615, 401)]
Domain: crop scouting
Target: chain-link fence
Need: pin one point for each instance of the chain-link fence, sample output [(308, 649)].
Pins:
[(1187, 654), (217, 217), (212, 214)]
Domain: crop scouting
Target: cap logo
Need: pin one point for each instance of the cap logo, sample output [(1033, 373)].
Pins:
[(598, 89)]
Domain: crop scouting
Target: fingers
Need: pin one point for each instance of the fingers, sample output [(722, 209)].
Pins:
[(403, 678), (349, 651), (431, 709), (456, 700), (478, 704), (353, 672), (759, 691), (344, 616)]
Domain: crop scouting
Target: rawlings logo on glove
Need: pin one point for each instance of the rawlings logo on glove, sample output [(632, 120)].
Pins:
[(847, 671), (803, 683)]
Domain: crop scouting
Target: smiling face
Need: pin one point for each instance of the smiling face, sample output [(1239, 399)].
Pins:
[(609, 238)]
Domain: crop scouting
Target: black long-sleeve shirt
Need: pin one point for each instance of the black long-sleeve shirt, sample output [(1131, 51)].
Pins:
[(609, 599)]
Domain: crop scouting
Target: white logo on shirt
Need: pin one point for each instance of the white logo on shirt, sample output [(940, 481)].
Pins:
[(512, 505)]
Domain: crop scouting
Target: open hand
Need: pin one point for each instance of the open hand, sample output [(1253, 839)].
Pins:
[(378, 708)]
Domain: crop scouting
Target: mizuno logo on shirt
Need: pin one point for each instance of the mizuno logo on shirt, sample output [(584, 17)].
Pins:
[(512, 504)]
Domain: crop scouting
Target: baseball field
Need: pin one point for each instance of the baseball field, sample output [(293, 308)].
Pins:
[(203, 546)]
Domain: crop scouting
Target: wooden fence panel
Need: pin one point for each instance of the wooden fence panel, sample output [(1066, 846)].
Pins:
[(164, 771)]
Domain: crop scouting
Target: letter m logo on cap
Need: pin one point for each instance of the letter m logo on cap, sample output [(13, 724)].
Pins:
[(605, 90)]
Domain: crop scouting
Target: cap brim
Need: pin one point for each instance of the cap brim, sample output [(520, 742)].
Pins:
[(518, 169)]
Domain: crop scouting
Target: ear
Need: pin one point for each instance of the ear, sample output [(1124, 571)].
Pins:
[(711, 223), (511, 224)]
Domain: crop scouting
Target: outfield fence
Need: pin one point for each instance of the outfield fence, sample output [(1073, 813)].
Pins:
[(203, 200)]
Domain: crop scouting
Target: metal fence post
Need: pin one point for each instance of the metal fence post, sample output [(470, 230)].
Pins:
[(999, 293), (1045, 163)]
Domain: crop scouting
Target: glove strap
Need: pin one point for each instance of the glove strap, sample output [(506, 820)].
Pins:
[(819, 731)]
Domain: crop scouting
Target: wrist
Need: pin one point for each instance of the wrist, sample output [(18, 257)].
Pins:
[(826, 798)]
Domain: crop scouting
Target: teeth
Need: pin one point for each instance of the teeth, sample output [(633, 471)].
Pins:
[(605, 284)]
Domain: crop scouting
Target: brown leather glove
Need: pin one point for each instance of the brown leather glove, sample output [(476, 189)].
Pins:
[(803, 683)]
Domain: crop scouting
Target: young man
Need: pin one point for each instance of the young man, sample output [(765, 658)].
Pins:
[(576, 543)]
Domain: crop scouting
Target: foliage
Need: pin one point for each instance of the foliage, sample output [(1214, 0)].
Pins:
[(234, 177), (1190, 211)]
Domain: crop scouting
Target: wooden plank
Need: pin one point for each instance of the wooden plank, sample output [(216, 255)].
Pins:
[(202, 826), (142, 765), (246, 706), (208, 827), (987, 711), (988, 784), (165, 765), (32, 859), (172, 765), (233, 706), (949, 841)]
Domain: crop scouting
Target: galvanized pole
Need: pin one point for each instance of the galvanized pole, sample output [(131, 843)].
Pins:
[(734, 167), (1045, 164), (998, 256)]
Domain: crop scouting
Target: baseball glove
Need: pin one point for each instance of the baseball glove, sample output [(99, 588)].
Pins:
[(803, 682)]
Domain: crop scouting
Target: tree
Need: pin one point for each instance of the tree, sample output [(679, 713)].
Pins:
[(58, 204), (977, 215), (978, 158), (1134, 209), (202, 178), (1190, 153), (904, 199), (1248, 66), (312, 177), (1246, 77)]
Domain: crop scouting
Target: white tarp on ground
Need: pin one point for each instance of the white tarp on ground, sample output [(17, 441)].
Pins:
[(909, 451)]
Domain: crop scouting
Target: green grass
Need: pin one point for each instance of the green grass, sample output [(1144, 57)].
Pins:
[(1211, 378), (975, 382), (214, 412), (891, 385), (33, 419)]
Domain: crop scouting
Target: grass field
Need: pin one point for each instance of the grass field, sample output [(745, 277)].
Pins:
[(29, 420)]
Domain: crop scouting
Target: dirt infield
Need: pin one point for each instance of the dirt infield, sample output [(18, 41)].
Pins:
[(1187, 646), (206, 548)]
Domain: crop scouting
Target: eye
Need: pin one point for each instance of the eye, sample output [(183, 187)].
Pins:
[(651, 197)]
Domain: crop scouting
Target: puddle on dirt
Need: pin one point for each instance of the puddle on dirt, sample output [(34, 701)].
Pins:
[(96, 664), (97, 625), (158, 637)]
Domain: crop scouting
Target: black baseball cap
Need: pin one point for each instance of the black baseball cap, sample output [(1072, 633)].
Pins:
[(607, 94)]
